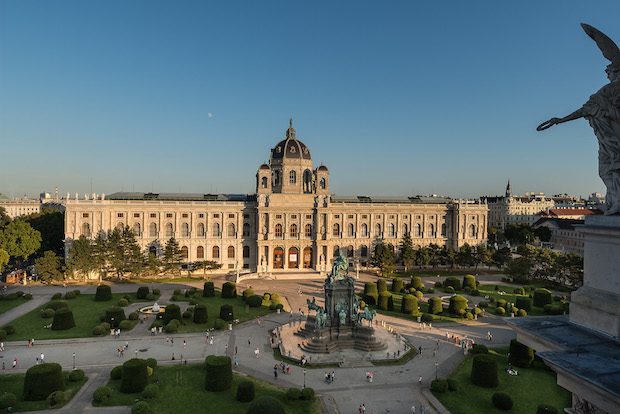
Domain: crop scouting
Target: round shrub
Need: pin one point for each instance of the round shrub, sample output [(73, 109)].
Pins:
[(123, 302), (219, 324), (438, 284), (134, 376), (479, 349), (556, 310), (219, 373), (63, 319), (477, 311), (520, 355), (105, 325), (200, 314), (56, 296), (431, 290), (9, 329), (475, 292), (3, 334), (76, 375), (483, 304), (141, 407), (460, 312), (542, 297), (492, 299), (434, 305), (102, 394), (371, 298), (484, 371), (280, 305), (193, 302), (453, 282), (546, 409), (523, 303), (99, 330), (293, 394), (469, 281), (245, 391), (70, 295), (247, 294), (176, 292), (418, 294), (381, 285), (142, 292), (397, 284), (521, 312), (187, 314), (151, 296), (457, 302), (171, 328), (383, 300), (307, 394), (47, 313), (42, 380), (125, 325), (502, 303), (150, 391), (11, 296), (229, 290), (427, 317), (116, 372), (133, 316), (114, 315), (500, 311), (547, 307), (104, 292), (55, 398), (466, 289), (171, 312), (409, 305), (267, 296), (449, 289), (254, 301), (265, 405), (151, 362), (208, 290), (7, 400), (469, 316), (502, 401), (439, 385), (57, 304), (453, 385), (226, 312), (275, 296), (416, 283)]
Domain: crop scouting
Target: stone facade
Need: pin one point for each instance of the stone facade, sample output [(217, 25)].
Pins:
[(291, 224), (20, 207)]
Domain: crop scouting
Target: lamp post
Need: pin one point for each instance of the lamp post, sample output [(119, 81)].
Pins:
[(136, 353), (304, 378), (74, 361), (435, 370)]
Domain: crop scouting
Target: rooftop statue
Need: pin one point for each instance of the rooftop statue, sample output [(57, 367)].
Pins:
[(603, 112)]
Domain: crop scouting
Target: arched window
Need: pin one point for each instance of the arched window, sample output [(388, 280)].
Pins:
[(308, 230), (292, 177), (293, 230), (418, 230), (231, 230), (215, 252), (120, 226), (350, 229), (216, 229), (153, 250), (472, 230), (168, 229), (278, 230), (307, 181), (336, 230), (350, 251), (405, 229), (322, 183), (246, 229), (431, 230), (364, 251), (231, 252), (86, 230), (200, 252), (137, 230), (364, 230), (184, 252), (276, 177), (336, 251), (390, 230), (152, 230), (184, 230), (443, 230), (200, 230), (246, 252), (377, 230), (263, 182), (293, 258)]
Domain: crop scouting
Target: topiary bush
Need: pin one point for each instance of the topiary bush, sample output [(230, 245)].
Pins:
[(453, 282), (479, 349), (453, 384), (502, 303), (187, 314), (556, 310), (523, 303), (151, 296), (98, 330), (427, 317), (275, 296), (307, 394), (123, 302), (171, 312), (76, 375), (70, 295), (104, 292), (247, 294), (439, 385), (383, 300), (55, 398), (171, 327), (219, 373), (150, 391), (63, 319), (409, 305), (500, 311), (208, 290), (502, 401), (200, 314), (219, 324), (57, 304), (469, 281), (9, 329), (381, 285), (7, 400), (125, 325), (134, 376), (142, 292), (226, 312), (102, 394), (521, 312), (133, 316), (397, 284), (229, 290), (141, 407), (434, 305), (267, 296), (47, 313), (542, 297), (114, 315), (245, 391), (449, 289), (546, 409), (56, 296), (293, 394), (483, 304), (416, 283), (484, 371), (418, 294), (520, 355), (116, 372), (42, 380), (265, 405), (254, 301), (457, 302)]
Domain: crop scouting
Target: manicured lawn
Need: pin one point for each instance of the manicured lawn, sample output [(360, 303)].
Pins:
[(14, 384), (86, 313), (7, 305), (191, 394), (434, 273), (533, 386), (489, 290)]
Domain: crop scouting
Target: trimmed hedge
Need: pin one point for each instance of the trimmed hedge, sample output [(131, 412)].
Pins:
[(142, 292), (56, 296), (141, 407), (70, 295), (125, 325), (229, 290), (293, 394), (42, 380), (104, 292), (409, 305), (500, 311), (416, 283), (265, 405), (226, 312), (7, 400), (55, 398), (102, 394), (57, 304), (208, 290), (63, 319), (520, 355), (371, 294), (219, 373), (469, 281), (502, 401), (247, 294), (453, 385), (172, 311), (384, 298), (76, 375), (114, 315), (254, 301), (47, 313), (434, 305), (134, 376), (479, 349), (150, 391), (439, 385), (245, 391), (427, 317), (484, 371), (542, 297), (133, 316), (457, 302), (200, 314), (523, 303), (307, 394), (397, 284), (454, 282), (116, 373)]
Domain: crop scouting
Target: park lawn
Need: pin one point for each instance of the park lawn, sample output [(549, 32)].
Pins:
[(191, 393), (6, 305), (533, 386), (14, 384), (86, 313), (436, 272), (512, 298)]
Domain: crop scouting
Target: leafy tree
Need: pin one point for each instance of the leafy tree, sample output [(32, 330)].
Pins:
[(51, 224), (500, 257), (482, 255), (519, 234), (495, 235), (100, 254), (519, 268), (450, 256), (153, 264), (4, 258), (4, 218), (465, 256), (435, 256), (124, 253), (173, 256), (543, 233), (423, 257), (49, 266), (407, 254), (81, 258), (383, 258), (207, 265), (20, 240)]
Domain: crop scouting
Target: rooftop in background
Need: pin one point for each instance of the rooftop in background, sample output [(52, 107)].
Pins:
[(563, 212)]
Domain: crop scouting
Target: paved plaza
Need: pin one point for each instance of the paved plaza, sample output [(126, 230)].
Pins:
[(394, 388)]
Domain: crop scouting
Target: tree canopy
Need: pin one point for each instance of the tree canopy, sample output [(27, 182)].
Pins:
[(49, 266), (383, 258), (20, 240)]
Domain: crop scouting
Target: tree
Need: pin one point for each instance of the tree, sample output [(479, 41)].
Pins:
[(423, 257), (4, 258), (500, 257), (450, 256), (81, 258), (519, 268), (51, 224), (543, 233), (153, 264), (100, 254), (207, 265), (124, 253), (173, 255), (435, 256), (482, 255), (383, 258), (465, 256), (49, 266), (407, 254), (20, 240), (4, 218), (495, 235), (519, 234)]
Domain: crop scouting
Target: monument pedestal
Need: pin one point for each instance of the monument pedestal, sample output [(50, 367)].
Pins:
[(596, 305)]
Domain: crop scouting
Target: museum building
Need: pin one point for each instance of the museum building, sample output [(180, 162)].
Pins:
[(291, 224)]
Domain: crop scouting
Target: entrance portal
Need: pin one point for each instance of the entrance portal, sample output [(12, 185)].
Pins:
[(293, 258), (307, 257), (278, 255)]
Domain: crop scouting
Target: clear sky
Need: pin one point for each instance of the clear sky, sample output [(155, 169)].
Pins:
[(396, 97)]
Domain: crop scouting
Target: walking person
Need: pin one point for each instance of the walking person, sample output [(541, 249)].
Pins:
[(236, 362), (3, 367), (235, 349), (14, 363), (171, 341), (1, 346), (420, 380), (184, 344), (41, 358)]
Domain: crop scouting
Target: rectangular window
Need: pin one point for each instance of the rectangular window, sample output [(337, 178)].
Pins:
[(378, 216), (216, 215), (293, 216), (337, 216), (308, 216), (418, 217), (392, 216), (201, 215), (119, 215), (185, 215), (246, 216), (278, 216), (350, 216), (364, 216), (153, 215), (85, 215), (136, 215), (231, 216), (405, 217), (168, 215)]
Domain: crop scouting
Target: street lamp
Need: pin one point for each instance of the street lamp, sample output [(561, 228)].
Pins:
[(304, 378), (435, 370), (136, 353), (74, 360)]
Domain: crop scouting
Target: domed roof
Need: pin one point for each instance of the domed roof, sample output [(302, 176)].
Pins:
[(291, 147), (322, 168), (264, 167)]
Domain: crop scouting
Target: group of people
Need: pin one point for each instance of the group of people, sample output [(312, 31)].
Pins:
[(116, 333), (155, 330), (512, 371), (329, 377), (369, 376)]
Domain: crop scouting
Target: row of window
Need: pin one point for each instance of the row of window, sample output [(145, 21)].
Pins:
[(169, 229), (391, 230), (215, 252), (170, 215)]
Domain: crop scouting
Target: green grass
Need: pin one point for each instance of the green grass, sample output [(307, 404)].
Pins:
[(191, 394), (86, 313), (533, 386), (512, 298), (278, 355), (7, 305), (434, 273), (14, 384), (403, 359)]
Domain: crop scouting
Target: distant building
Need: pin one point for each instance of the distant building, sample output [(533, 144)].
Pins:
[(568, 213), (19, 207), (565, 234)]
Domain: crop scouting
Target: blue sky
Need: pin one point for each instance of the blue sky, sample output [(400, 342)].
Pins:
[(396, 98)]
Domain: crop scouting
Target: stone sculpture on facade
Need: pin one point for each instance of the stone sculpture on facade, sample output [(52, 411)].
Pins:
[(603, 112)]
